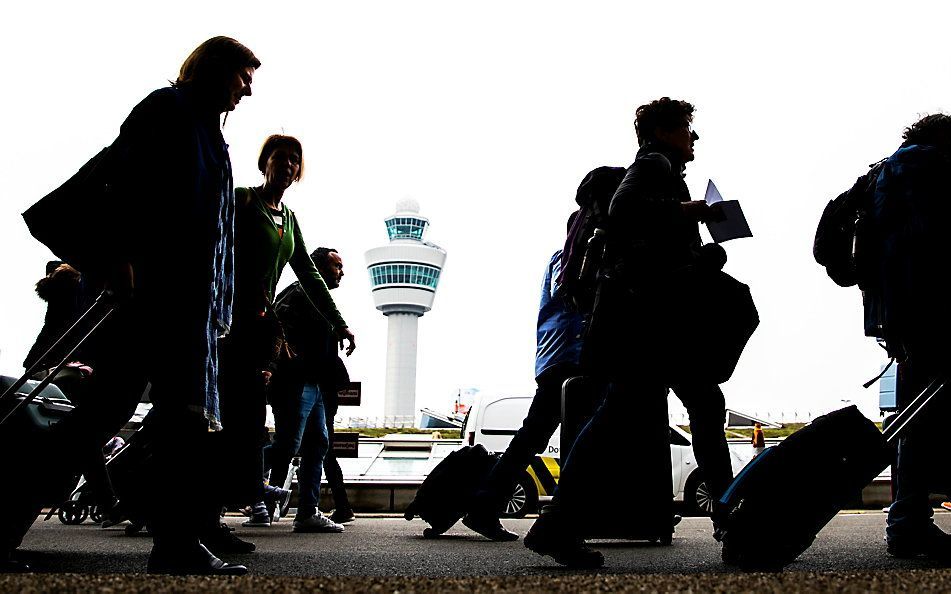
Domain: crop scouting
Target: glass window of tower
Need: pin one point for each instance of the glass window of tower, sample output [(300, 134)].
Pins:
[(406, 228), (404, 274)]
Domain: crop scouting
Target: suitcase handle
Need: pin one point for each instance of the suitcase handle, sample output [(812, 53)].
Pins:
[(52, 375), (908, 414)]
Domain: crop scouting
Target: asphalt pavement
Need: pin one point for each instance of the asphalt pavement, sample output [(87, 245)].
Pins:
[(848, 554)]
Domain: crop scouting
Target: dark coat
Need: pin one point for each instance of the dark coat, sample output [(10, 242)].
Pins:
[(656, 278), (311, 339), (161, 198), (648, 232)]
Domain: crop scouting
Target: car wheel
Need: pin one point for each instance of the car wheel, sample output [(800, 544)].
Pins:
[(697, 496), (523, 500), (73, 512)]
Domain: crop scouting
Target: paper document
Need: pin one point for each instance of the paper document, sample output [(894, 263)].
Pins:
[(732, 223), (713, 194)]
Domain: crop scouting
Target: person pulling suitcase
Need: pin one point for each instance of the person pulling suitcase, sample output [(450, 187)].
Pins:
[(151, 216), (912, 251), (887, 236), (653, 273)]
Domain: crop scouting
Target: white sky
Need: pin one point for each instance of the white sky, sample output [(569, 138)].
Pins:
[(489, 114)]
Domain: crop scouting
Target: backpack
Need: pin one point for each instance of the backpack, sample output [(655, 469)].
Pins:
[(848, 246), (593, 199), (844, 242)]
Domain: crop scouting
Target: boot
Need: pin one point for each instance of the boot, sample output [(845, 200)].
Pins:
[(194, 561), (552, 536)]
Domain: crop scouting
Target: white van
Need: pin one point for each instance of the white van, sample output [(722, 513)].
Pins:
[(493, 420)]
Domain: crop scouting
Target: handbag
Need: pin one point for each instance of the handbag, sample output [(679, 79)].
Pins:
[(74, 220), (706, 311)]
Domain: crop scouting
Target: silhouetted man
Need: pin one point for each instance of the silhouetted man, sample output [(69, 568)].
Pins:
[(651, 234), (910, 216), (305, 402)]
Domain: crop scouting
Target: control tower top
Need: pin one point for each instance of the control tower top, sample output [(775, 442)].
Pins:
[(404, 273), (406, 223)]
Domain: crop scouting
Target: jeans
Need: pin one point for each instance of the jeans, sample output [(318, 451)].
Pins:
[(540, 423), (300, 425)]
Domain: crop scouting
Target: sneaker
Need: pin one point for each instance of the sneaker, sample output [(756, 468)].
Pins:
[(199, 561), (259, 517), (258, 520), (933, 544), (316, 523), (221, 541), (342, 516)]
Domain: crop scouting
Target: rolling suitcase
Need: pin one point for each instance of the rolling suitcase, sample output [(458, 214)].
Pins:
[(580, 397), (796, 487), (447, 493)]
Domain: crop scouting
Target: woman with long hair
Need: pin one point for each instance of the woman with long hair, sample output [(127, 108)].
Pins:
[(151, 217)]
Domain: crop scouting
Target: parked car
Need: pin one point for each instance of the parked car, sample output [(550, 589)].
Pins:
[(493, 420)]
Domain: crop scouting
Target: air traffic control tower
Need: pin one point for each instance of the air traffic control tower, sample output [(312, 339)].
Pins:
[(403, 276)]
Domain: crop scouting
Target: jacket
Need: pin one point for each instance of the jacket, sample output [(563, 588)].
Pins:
[(648, 232), (559, 327), (910, 216), (160, 197), (261, 253), (313, 344)]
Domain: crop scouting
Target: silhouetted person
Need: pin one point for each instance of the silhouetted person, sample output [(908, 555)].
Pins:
[(758, 439), (557, 358), (305, 402), (66, 299), (153, 219), (652, 233), (910, 218)]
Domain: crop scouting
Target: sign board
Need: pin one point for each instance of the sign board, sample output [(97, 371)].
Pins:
[(350, 395), (346, 444)]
